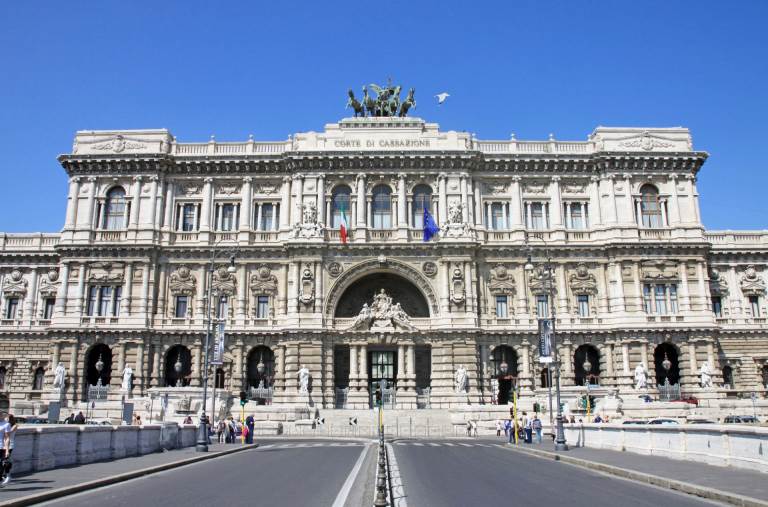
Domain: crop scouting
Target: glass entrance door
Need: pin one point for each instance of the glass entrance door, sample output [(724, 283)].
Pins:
[(381, 365)]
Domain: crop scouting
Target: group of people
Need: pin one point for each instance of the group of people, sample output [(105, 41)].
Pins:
[(8, 427), (527, 428), (229, 429), (75, 419)]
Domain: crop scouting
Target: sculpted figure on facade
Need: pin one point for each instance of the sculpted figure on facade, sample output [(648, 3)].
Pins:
[(641, 377), (224, 282), (309, 227), (49, 287), (456, 226), (263, 282), (752, 284), (304, 380), (706, 375), (718, 285), (60, 377), (382, 314), (458, 289), (307, 292), (15, 285), (582, 282), (182, 282), (127, 377), (501, 282), (461, 380)]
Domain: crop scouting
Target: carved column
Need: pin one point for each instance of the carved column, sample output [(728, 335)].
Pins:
[(464, 198), (625, 357), (73, 370), (74, 197), (238, 373), (562, 290), (144, 303), (611, 209), (618, 302), (246, 201), (138, 371), (410, 362), (692, 359), (168, 202), (693, 196), (442, 209), (80, 290), (91, 221), (31, 296), (196, 369), (402, 216), (148, 219), (285, 203), (685, 294), (608, 348), (205, 210), (297, 199), (360, 201), (556, 211), (354, 372), (594, 211), (363, 371), (135, 203), (401, 378), (630, 207), (157, 352), (525, 357), (674, 209), (242, 278), (478, 204), (61, 297), (321, 198)]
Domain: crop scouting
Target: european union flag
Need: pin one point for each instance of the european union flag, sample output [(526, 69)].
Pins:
[(430, 226)]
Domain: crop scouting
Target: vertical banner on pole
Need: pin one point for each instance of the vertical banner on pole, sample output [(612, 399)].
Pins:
[(219, 342), (546, 330)]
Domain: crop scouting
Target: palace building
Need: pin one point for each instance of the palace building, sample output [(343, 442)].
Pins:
[(160, 234)]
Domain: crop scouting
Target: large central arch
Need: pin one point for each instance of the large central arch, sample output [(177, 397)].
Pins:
[(358, 276), (397, 287)]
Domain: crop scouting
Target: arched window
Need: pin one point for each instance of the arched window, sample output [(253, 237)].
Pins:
[(2, 377), (340, 203), (114, 209), (728, 377), (545, 380), (37, 384), (666, 364), (650, 207), (422, 198), (382, 207), (586, 363)]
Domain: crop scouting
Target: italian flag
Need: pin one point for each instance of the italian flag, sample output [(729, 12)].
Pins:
[(343, 227)]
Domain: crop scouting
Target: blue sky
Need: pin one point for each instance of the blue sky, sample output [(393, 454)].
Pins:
[(273, 68)]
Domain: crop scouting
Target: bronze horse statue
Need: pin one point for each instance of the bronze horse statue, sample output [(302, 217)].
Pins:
[(356, 105), (369, 102), (408, 103)]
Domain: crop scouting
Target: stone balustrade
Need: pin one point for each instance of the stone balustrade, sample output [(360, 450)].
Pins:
[(714, 444), (46, 447)]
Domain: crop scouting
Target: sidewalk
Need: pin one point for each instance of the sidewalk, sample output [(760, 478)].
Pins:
[(30, 488), (739, 486)]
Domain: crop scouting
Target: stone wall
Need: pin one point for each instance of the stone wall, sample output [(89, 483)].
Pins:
[(44, 448)]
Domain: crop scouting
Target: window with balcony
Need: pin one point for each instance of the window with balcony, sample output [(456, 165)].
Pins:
[(650, 207), (422, 199), (188, 217), (754, 306), (542, 306), (182, 305), (49, 305), (381, 207), (576, 216), (103, 301), (340, 202), (717, 306), (582, 301), (498, 218), (11, 307), (262, 307), (268, 217), (115, 209), (226, 217), (502, 311), (660, 299), (537, 215)]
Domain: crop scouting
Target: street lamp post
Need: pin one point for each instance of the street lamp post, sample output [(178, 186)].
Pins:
[(546, 274), (202, 432)]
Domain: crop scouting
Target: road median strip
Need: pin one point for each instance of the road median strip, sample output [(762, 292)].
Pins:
[(655, 480), (115, 479)]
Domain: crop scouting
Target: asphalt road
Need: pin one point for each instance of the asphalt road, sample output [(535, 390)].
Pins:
[(278, 473), (439, 473)]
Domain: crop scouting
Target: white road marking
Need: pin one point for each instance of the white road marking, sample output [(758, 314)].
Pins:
[(419, 444), (341, 498), (449, 444), (433, 444), (465, 445)]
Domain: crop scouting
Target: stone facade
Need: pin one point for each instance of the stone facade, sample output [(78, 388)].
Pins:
[(635, 276)]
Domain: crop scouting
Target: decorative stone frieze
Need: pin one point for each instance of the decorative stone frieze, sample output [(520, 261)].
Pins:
[(752, 283), (182, 282), (263, 282), (15, 285)]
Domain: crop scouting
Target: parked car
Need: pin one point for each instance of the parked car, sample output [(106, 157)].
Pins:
[(661, 420), (634, 421), (741, 419), (31, 420), (700, 421)]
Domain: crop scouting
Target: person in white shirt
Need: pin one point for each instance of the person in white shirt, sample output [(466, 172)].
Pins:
[(7, 433)]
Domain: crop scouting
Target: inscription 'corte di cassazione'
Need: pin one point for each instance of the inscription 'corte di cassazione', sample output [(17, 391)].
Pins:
[(382, 143)]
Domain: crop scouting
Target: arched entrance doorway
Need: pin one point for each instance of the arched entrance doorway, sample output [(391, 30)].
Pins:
[(586, 365), (400, 289), (504, 361), (665, 360), (728, 377), (178, 366), (98, 365), (5, 404), (261, 367)]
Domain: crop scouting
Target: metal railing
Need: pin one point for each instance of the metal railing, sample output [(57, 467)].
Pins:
[(669, 392), (422, 397), (341, 396), (264, 394), (98, 392)]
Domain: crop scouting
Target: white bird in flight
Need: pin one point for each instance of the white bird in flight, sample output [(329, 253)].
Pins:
[(441, 98)]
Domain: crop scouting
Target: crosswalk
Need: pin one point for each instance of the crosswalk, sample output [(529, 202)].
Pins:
[(414, 443)]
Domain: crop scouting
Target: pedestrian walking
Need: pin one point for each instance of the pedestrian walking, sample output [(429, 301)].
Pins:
[(8, 429), (469, 428), (474, 428), (227, 432), (510, 430), (537, 427), (498, 427), (249, 423), (79, 418), (70, 419), (220, 431), (527, 428)]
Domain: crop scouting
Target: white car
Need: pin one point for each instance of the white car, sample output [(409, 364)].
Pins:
[(663, 421)]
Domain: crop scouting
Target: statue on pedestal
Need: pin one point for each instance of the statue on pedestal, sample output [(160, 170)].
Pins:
[(706, 375), (641, 377), (461, 380), (304, 380), (127, 377), (60, 378)]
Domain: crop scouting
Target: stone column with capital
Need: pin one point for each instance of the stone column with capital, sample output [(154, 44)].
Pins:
[(147, 216), (168, 224), (321, 199), (297, 209), (594, 213), (72, 204), (91, 221), (285, 203), (402, 215), (135, 202), (556, 210), (515, 204), (138, 371), (246, 211), (464, 198), (61, 298), (205, 210), (442, 209), (674, 208), (478, 222), (360, 219), (629, 201)]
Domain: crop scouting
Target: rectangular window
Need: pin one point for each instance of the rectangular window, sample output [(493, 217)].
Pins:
[(267, 217), (50, 305), (93, 295), (227, 217), (583, 300), (497, 216), (222, 309), (262, 307), (648, 303), (11, 306), (661, 299), (188, 217), (672, 298), (181, 307), (717, 306), (501, 307), (578, 216), (538, 216), (105, 300), (754, 306), (542, 306)]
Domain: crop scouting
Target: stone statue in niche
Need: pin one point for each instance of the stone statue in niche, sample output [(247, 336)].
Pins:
[(127, 378), (304, 380), (60, 377), (309, 227), (461, 379), (456, 227), (641, 377), (458, 290), (382, 314), (307, 287), (455, 212), (706, 375)]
